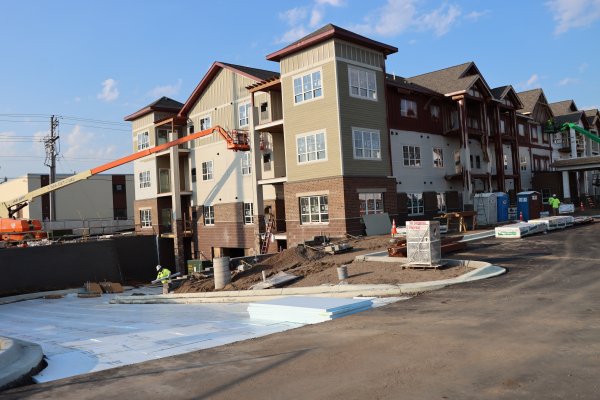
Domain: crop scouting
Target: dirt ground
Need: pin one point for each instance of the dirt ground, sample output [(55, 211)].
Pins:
[(316, 268)]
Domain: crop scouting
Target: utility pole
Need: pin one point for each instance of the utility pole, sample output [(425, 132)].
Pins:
[(51, 153)]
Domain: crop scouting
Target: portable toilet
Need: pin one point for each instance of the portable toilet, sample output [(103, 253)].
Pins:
[(529, 204), (486, 207), (502, 204)]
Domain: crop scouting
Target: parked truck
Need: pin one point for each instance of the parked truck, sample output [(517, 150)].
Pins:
[(14, 230)]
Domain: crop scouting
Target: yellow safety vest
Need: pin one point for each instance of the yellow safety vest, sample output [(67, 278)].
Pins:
[(163, 273)]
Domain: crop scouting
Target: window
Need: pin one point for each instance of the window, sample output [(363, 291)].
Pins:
[(370, 203), (415, 204), (209, 215), (545, 195), (307, 87), (521, 130), (454, 120), (505, 162), (475, 92), (314, 209), (366, 144), (162, 136), (471, 160), (244, 114), (473, 122), (165, 219), (144, 179), (246, 166), (248, 213), (535, 129), (193, 174), (523, 163), (205, 123), (412, 156), (477, 161), (143, 141), (164, 180), (502, 127), (267, 162), (362, 83), (441, 202), (146, 218), (438, 157), (408, 108), (311, 147), (435, 111), (207, 170)]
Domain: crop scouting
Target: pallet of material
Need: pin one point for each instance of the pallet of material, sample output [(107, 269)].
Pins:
[(518, 230), (448, 245), (306, 309), (554, 222)]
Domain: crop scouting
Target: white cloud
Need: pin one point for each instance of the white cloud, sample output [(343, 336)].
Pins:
[(397, 16), (166, 90), (334, 3), (530, 83), (571, 14), (441, 20), (81, 144), (475, 15), (300, 17), (292, 35), (567, 81), (316, 16), (294, 16), (583, 67), (77, 99), (109, 90)]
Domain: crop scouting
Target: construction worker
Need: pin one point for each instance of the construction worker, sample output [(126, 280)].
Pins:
[(161, 273), (554, 202)]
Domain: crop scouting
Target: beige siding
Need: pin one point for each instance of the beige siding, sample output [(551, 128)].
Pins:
[(308, 58), (362, 113), (312, 116), (140, 125)]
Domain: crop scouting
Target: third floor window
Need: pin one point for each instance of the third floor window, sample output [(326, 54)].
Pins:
[(408, 108), (307, 87), (362, 83), (143, 141)]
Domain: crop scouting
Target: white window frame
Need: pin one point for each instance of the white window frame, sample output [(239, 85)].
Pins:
[(316, 211), (438, 157), (362, 83), (419, 207), (441, 202), (413, 160), (209, 215), (144, 178), (521, 129), (308, 86), (535, 130), (523, 163), (145, 218), (246, 163), (370, 203), (207, 170), (406, 107), (205, 122), (248, 213), (319, 155), (143, 140), (366, 144), (244, 114), (435, 114)]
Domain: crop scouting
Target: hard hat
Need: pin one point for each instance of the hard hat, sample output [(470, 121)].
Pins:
[(158, 267), (554, 195)]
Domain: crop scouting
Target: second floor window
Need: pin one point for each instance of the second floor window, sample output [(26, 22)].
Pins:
[(207, 170), (362, 83), (144, 179), (209, 215), (244, 113), (366, 144), (248, 213), (143, 141), (535, 129), (205, 123), (411, 156), (311, 147), (408, 108), (246, 166), (307, 87), (438, 157), (434, 111)]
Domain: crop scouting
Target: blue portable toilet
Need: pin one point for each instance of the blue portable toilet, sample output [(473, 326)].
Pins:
[(529, 205), (502, 204)]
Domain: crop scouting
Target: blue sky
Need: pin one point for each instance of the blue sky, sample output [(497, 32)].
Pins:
[(100, 61)]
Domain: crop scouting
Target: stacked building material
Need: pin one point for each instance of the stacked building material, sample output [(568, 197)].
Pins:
[(306, 310), (519, 230)]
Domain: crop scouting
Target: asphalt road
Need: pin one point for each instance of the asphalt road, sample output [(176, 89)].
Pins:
[(533, 333)]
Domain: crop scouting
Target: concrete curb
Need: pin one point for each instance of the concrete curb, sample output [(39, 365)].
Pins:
[(18, 360), (482, 271), (38, 295)]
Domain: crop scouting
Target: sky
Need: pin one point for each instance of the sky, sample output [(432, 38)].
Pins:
[(93, 63)]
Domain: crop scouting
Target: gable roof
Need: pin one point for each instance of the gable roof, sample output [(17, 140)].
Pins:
[(563, 107), (327, 32), (502, 92), (593, 116), (530, 98), (164, 104), (572, 117), (252, 73), (447, 81), (402, 83)]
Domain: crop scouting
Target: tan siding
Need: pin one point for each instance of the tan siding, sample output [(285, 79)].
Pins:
[(362, 113), (307, 58), (144, 124), (312, 116)]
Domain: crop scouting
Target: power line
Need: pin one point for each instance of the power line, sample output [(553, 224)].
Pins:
[(91, 120), (98, 127)]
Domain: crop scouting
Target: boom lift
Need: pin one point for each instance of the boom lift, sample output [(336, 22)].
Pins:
[(16, 230), (552, 128)]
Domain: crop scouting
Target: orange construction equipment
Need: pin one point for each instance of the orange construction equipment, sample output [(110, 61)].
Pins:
[(394, 227), (15, 230)]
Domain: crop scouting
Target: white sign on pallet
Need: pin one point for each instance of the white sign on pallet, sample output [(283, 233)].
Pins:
[(423, 244)]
